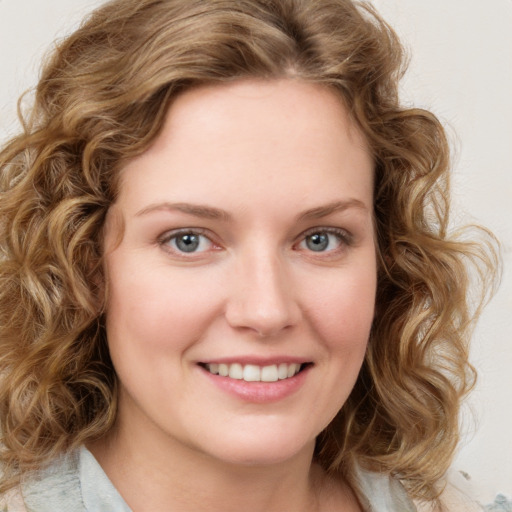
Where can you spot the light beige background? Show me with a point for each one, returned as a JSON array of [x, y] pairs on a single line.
[[461, 68]]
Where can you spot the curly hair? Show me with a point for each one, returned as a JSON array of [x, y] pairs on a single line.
[[102, 99]]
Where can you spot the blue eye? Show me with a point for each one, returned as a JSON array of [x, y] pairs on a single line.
[[317, 242], [324, 240], [188, 242]]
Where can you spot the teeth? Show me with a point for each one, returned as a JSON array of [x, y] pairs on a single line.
[[269, 373], [235, 371], [223, 370], [254, 373], [282, 372]]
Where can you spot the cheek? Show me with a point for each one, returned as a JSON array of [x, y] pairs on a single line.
[[157, 308], [342, 310]]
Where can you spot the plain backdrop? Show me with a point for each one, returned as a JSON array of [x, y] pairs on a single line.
[[461, 69]]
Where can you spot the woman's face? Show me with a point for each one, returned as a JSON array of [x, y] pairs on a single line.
[[242, 292]]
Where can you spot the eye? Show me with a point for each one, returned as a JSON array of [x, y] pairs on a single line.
[[187, 242], [324, 240]]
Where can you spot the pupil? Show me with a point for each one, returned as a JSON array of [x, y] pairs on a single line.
[[317, 242], [187, 243]]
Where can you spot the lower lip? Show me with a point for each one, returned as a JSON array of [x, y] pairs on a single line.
[[259, 392]]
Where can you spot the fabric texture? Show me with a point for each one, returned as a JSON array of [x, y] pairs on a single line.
[[77, 483], [73, 483]]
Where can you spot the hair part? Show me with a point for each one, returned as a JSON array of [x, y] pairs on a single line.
[[102, 99]]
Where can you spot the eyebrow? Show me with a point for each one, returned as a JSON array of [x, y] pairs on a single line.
[[328, 209], [198, 210], [209, 212]]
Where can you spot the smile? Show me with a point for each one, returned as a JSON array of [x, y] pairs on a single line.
[[254, 373]]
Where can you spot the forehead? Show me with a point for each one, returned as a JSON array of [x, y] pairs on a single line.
[[284, 111], [281, 138]]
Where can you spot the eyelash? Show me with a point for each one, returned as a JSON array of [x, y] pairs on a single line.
[[165, 240], [345, 239]]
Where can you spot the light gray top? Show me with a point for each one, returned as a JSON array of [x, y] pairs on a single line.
[[78, 483], [73, 483]]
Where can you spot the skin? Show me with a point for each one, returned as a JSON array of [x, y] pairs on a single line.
[[255, 169]]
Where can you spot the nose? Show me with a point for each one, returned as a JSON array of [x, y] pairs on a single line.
[[262, 298]]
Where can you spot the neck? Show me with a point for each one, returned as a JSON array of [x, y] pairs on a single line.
[[149, 478], [153, 471]]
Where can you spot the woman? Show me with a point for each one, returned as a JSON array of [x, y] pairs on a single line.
[[226, 276]]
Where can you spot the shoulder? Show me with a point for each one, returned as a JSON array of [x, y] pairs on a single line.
[[378, 492], [55, 488], [12, 501], [451, 500], [382, 493], [460, 494], [73, 482]]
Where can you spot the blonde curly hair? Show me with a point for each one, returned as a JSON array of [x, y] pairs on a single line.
[[102, 99]]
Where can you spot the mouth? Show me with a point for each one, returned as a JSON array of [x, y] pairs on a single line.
[[255, 373]]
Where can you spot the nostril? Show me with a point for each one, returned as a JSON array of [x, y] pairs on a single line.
[[262, 298], [266, 323]]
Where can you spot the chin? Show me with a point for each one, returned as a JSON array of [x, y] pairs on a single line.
[[262, 450]]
